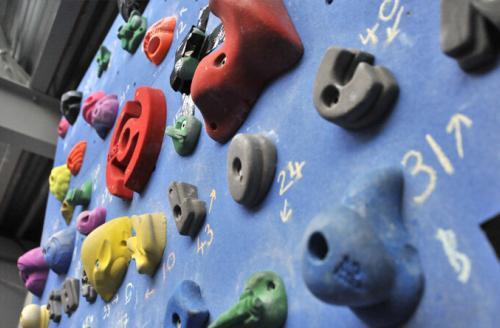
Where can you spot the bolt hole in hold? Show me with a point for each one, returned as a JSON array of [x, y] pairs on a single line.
[[330, 95], [176, 320], [491, 229], [220, 60], [271, 285], [213, 126], [237, 169], [177, 212], [318, 247], [153, 45], [329, 2]]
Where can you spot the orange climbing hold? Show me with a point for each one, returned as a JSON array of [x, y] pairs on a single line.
[[75, 157], [159, 38]]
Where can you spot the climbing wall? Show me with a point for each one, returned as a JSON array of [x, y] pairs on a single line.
[[442, 135]]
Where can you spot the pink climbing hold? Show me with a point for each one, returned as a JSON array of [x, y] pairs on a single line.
[[63, 127], [87, 221], [89, 104], [33, 270]]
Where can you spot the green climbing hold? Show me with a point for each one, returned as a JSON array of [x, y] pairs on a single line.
[[263, 304], [103, 58], [132, 32], [185, 134], [80, 196]]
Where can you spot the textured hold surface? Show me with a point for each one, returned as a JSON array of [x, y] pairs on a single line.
[[58, 250], [87, 221], [351, 259], [263, 304], [59, 181], [136, 142], [34, 316], [63, 127], [80, 196], [189, 212], [251, 164], [350, 92], [186, 307], [89, 105], [103, 115], [70, 295], [70, 105], [33, 270], [132, 32], [103, 58], [105, 256], [260, 44], [185, 134], [54, 305], [159, 38], [67, 211], [76, 156]]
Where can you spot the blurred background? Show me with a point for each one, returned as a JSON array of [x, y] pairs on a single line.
[[45, 48]]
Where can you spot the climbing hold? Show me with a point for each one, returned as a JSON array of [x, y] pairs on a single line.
[[260, 44], [70, 295], [80, 196], [136, 143], [63, 127], [105, 256], [263, 304], [189, 211], [490, 9], [186, 307], [34, 316], [58, 250], [89, 105], [59, 181], [70, 105], [103, 115], [103, 58], [54, 305], [185, 134], [87, 221], [75, 157], [158, 39], [359, 255], [33, 270], [352, 93], [88, 292], [251, 164], [132, 32], [126, 7], [67, 211], [149, 241]]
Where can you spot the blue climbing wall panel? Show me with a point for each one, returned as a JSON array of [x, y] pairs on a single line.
[[443, 134]]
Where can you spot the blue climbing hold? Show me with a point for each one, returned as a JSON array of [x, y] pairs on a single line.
[[186, 307], [58, 250]]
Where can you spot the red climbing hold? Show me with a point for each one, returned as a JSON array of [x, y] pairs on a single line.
[[158, 39], [75, 157]]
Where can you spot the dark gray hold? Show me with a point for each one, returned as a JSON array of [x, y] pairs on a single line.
[[189, 212], [251, 165], [70, 295], [54, 305], [352, 93], [125, 7], [489, 9], [70, 105], [88, 292]]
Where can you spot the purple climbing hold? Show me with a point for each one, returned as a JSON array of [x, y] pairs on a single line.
[[103, 115], [33, 270], [87, 221]]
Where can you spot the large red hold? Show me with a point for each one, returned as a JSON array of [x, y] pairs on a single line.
[[136, 142], [261, 43]]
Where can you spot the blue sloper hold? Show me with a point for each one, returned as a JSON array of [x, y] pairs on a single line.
[[186, 307], [358, 254], [58, 250]]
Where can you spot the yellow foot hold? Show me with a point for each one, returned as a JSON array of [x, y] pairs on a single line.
[[34, 316]]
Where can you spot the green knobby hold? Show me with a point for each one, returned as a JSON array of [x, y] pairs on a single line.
[[103, 58], [263, 304], [185, 134], [132, 32], [80, 196]]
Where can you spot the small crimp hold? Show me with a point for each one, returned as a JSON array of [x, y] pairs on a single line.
[[67, 211], [185, 134], [186, 308], [88, 292], [59, 181], [80, 196], [63, 127], [70, 295], [34, 316], [103, 58], [263, 304], [189, 212], [87, 221], [132, 32], [75, 157], [158, 39], [251, 165], [352, 93], [70, 105], [54, 305]]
